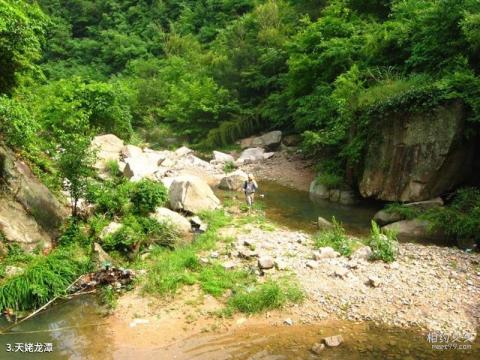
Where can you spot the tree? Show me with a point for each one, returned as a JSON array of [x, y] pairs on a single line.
[[75, 157], [21, 34]]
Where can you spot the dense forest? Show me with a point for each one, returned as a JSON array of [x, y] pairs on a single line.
[[215, 70]]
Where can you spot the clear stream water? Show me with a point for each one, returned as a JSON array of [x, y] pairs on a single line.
[[76, 328]]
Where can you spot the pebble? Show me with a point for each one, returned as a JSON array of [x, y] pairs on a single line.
[[333, 341], [288, 322], [265, 262], [317, 348], [311, 264]]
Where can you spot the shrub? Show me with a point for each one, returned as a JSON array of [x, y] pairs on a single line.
[[124, 239], [147, 195], [72, 234], [460, 219], [336, 238], [110, 198], [384, 245], [154, 232]]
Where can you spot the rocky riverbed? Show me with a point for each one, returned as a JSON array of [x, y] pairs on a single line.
[[434, 288]]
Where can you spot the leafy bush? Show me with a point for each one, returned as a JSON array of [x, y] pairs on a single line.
[[124, 239], [110, 198], [113, 168], [461, 218], [336, 238], [383, 244], [146, 195]]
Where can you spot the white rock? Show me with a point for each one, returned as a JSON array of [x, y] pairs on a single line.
[[325, 253], [311, 264], [107, 148], [269, 155], [363, 253], [192, 194], [333, 341], [183, 151], [222, 157], [265, 262], [252, 154], [130, 151], [140, 167], [164, 215]]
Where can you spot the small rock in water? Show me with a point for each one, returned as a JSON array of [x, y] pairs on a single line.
[[333, 341], [265, 262], [288, 322], [317, 348]]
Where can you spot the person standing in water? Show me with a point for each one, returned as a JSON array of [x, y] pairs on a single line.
[[250, 187]]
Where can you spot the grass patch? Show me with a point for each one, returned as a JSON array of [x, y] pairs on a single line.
[[407, 212], [268, 296], [44, 278], [383, 244], [336, 238]]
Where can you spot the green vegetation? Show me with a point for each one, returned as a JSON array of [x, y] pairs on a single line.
[[336, 238], [229, 167], [147, 195], [264, 297], [461, 218], [406, 212], [44, 278], [383, 244]]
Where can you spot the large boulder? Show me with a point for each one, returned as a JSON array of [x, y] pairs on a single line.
[[233, 181], [416, 230], [192, 194], [19, 186], [130, 151], [19, 227], [292, 140], [164, 215], [418, 156], [271, 140], [107, 147], [252, 154], [140, 167]]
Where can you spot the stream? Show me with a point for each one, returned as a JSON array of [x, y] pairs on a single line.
[[76, 329], [294, 209]]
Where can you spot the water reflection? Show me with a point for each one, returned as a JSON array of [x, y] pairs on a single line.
[[74, 328]]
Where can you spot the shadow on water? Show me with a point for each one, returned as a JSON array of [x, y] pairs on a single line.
[[294, 209]]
